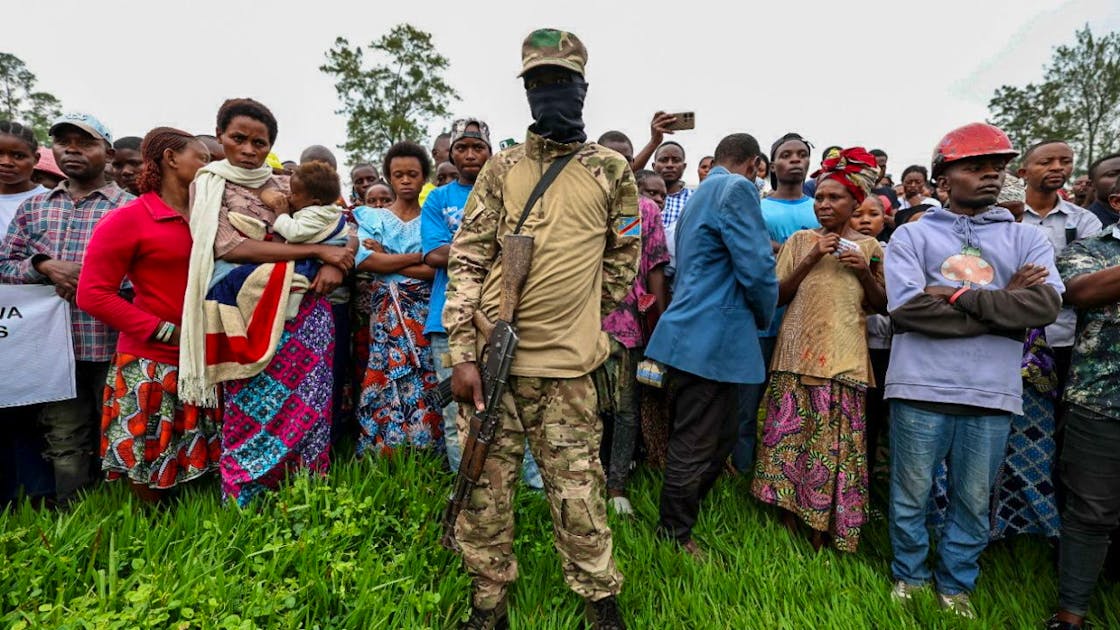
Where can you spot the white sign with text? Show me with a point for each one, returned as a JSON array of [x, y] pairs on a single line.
[[36, 349]]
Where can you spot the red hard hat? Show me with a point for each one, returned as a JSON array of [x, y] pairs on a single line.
[[972, 140]]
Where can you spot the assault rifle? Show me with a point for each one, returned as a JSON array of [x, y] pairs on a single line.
[[497, 357], [439, 396]]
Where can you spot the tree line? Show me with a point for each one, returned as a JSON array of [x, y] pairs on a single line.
[[394, 89]]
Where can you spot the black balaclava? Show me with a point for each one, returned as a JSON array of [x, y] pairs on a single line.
[[557, 110]]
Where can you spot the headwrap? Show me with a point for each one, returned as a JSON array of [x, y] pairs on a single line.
[[1013, 190], [855, 168]]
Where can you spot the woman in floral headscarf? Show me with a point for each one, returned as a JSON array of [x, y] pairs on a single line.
[[811, 458]]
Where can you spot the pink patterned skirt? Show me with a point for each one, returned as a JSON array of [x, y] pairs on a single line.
[[280, 420], [811, 455]]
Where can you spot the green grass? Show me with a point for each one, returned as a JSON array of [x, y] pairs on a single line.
[[360, 549]]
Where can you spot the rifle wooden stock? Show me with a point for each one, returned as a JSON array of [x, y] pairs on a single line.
[[471, 464], [517, 255], [502, 339], [484, 425], [483, 325]]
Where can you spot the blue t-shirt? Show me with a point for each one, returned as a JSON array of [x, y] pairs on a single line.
[[440, 218], [784, 217]]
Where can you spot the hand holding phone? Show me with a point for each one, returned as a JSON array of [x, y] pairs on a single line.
[[684, 121]]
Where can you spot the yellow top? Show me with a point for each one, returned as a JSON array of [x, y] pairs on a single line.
[[425, 191], [824, 333]]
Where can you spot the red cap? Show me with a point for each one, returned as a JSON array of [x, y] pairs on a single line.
[[47, 163], [972, 140]]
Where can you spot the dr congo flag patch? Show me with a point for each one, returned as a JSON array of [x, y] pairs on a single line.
[[628, 226]]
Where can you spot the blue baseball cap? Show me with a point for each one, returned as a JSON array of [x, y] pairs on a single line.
[[86, 122]]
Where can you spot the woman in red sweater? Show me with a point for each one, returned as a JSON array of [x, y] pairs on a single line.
[[147, 435]]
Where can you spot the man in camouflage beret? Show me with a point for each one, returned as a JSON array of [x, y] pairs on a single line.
[[585, 255]]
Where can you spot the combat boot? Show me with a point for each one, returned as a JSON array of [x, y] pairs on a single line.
[[604, 614], [491, 619]]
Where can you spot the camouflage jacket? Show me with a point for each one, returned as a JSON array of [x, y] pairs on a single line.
[[1093, 383], [587, 241]]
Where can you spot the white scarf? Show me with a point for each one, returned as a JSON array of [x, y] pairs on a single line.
[[209, 188]]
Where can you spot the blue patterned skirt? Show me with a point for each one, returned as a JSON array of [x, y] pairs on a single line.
[[391, 410]]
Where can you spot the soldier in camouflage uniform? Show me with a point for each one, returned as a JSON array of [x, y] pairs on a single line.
[[586, 232]]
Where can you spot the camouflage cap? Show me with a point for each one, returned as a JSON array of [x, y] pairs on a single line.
[[550, 47], [1014, 189], [459, 130]]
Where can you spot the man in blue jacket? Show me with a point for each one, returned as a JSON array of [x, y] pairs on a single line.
[[725, 292]]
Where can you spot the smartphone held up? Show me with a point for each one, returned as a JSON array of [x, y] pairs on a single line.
[[683, 121]]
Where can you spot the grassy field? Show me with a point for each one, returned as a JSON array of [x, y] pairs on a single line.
[[359, 550]]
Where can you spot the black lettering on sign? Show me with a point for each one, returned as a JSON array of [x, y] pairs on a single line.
[[3, 332], [10, 312]]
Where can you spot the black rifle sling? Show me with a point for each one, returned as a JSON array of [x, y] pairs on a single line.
[[546, 180]]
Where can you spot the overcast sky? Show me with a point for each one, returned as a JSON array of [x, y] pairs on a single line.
[[890, 74]]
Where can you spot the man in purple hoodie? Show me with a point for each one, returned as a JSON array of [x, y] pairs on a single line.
[[963, 286]]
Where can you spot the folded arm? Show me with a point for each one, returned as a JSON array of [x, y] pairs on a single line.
[[20, 248], [1089, 283], [914, 310], [435, 236], [1013, 309]]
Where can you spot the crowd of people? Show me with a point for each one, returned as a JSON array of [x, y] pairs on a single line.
[[796, 318]]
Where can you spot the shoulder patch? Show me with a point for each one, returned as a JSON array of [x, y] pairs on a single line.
[[602, 162], [628, 226]]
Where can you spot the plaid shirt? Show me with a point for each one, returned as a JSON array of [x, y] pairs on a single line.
[[674, 205], [53, 225]]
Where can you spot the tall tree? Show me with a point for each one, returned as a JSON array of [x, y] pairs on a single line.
[[1078, 101], [20, 101], [395, 99]]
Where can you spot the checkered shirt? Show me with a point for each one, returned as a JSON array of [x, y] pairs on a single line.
[[53, 225], [674, 205]]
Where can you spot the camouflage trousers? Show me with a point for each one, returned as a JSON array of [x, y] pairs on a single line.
[[559, 418]]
